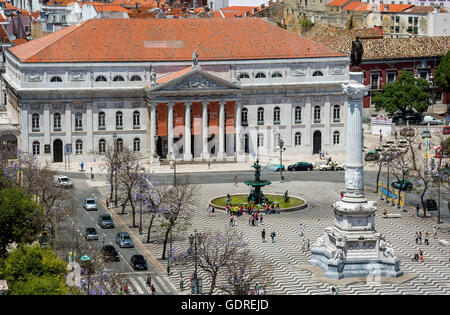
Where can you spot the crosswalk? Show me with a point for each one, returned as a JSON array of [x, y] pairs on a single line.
[[138, 285]]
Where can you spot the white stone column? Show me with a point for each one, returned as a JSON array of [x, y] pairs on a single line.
[[237, 129], [170, 131], [154, 159], [25, 128], [221, 154], [47, 124], [307, 120], [328, 119], [205, 131], [68, 121], [187, 156]]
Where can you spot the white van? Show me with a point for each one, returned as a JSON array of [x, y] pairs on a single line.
[[62, 181], [430, 120]]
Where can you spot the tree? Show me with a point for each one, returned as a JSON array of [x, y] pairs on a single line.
[[442, 74], [20, 218], [305, 23], [349, 24], [405, 93], [32, 270]]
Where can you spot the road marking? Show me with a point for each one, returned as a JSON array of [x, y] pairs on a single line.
[[144, 284], [138, 288], [165, 289]]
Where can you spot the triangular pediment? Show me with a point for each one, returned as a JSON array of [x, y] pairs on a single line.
[[194, 80]]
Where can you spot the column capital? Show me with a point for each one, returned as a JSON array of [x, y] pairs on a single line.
[[187, 103], [152, 104], [222, 103], [171, 104], [238, 104], [205, 103]]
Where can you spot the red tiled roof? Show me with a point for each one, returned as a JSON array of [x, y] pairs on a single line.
[[60, 3], [109, 8], [353, 5], [174, 75], [394, 7], [114, 40], [364, 7], [3, 35], [337, 2], [19, 41]]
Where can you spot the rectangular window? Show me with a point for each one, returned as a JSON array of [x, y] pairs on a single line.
[[375, 82], [415, 20], [78, 122], [397, 19], [397, 29], [410, 20], [410, 29], [416, 30], [391, 76]]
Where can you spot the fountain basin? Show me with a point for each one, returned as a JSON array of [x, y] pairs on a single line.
[[294, 203]]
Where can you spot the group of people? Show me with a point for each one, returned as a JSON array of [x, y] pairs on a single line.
[[322, 154], [418, 256], [211, 210], [272, 235]]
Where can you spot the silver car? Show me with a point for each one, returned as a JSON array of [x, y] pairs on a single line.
[[105, 221], [90, 234], [123, 239], [90, 204]]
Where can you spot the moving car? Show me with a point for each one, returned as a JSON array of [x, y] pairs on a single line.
[[105, 221], [62, 181], [372, 156], [110, 253], [138, 262], [274, 167], [123, 239], [90, 234], [301, 166], [333, 165], [405, 185], [90, 204], [430, 205]]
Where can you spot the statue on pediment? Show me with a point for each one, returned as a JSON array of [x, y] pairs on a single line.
[[195, 59], [356, 55]]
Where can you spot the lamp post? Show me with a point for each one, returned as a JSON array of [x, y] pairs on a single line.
[[115, 167], [140, 217], [281, 144], [171, 218], [388, 158], [193, 240], [173, 165]]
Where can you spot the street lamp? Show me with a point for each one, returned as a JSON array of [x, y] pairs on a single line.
[[281, 144], [387, 156], [193, 240], [173, 165], [140, 217], [171, 218], [115, 167]]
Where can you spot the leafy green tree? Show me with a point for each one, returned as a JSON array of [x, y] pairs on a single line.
[[20, 218], [405, 93], [32, 270], [305, 23], [442, 74]]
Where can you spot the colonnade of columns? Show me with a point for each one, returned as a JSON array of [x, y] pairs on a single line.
[[187, 156]]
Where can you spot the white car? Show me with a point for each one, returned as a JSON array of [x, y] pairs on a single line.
[[62, 181], [327, 167]]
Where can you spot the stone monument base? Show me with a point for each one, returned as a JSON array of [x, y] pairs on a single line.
[[355, 267]]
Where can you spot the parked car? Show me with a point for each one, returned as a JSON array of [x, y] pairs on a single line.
[[407, 132], [426, 134], [90, 204], [138, 262], [90, 234], [333, 165], [372, 156], [62, 181], [105, 221], [123, 239], [413, 117], [446, 130], [430, 205], [430, 120], [405, 185], [110, 253], [399, 115], [274, 167], [301, 166]]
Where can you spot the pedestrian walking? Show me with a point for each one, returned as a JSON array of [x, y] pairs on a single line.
[[417, 209], [426, 238], [153, 289], [301, 230], [82, 166], [149, 280], [234, 220], [257, 219], [213, 210], [308, 244], [272, 235], [420, 238], [235, 181], [421, 255], [231, 220], [435, 232], [263, 235], [250, 220], [303, 245], [417, 237], [209, 164], [333, 290], [209, 210], [260, 219]]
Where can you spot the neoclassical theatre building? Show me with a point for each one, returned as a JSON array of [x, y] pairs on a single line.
[[218, 89]]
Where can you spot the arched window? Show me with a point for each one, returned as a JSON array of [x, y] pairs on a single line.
[[78, 121], [317, 74], [136, 120], [260, 141], [78, 147], [100, 78], [244, 76], [336, 113], [260, 75], [298, 115], [35, 122], [56, 79], [298, 138], [260, 116], [57, 122], [336, 137], [119, 120], [118, 78], [36, 147], [119, 145], [135, 78], [276, 115], [102, 146], [136, 145], [277, 75], [101, 121], [244, 117], [317, 114]]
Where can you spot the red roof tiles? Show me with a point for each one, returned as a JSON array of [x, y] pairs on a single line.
[[110, 40], [337, 2]]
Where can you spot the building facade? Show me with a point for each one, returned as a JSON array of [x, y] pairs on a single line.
[[248, 83]]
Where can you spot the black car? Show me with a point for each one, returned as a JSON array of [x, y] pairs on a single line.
[[300, 166], [405, 185], [430, 205], [372, 156], [138, 262], [110, 253], [414, 117]]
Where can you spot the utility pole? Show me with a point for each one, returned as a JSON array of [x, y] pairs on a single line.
[[281, 144]]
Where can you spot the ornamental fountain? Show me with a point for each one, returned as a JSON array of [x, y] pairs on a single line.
[[256, 195]]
